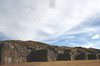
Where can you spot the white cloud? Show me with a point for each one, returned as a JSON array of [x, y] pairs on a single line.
[[96, 36]]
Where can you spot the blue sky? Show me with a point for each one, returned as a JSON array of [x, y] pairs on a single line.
[[56, 22]]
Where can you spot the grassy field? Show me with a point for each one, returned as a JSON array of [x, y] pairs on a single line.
[[61, 63]]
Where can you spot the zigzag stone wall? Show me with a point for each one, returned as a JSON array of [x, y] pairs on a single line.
[[14, 52]]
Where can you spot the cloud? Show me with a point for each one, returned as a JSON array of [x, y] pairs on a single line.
[[35, 20], [96, 36]]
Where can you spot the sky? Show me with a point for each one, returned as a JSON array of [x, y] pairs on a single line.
[[56, 22]]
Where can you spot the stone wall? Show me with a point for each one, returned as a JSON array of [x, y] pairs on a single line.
[[16, 51], [41, 56], [13, 52]]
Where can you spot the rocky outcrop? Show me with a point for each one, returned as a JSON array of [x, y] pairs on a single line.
[[16, 51]]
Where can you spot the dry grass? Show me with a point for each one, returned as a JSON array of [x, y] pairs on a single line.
[[27, 43], [61, 63]]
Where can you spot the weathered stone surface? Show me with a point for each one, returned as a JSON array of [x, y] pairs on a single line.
[[26, 51], [16, 51]]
